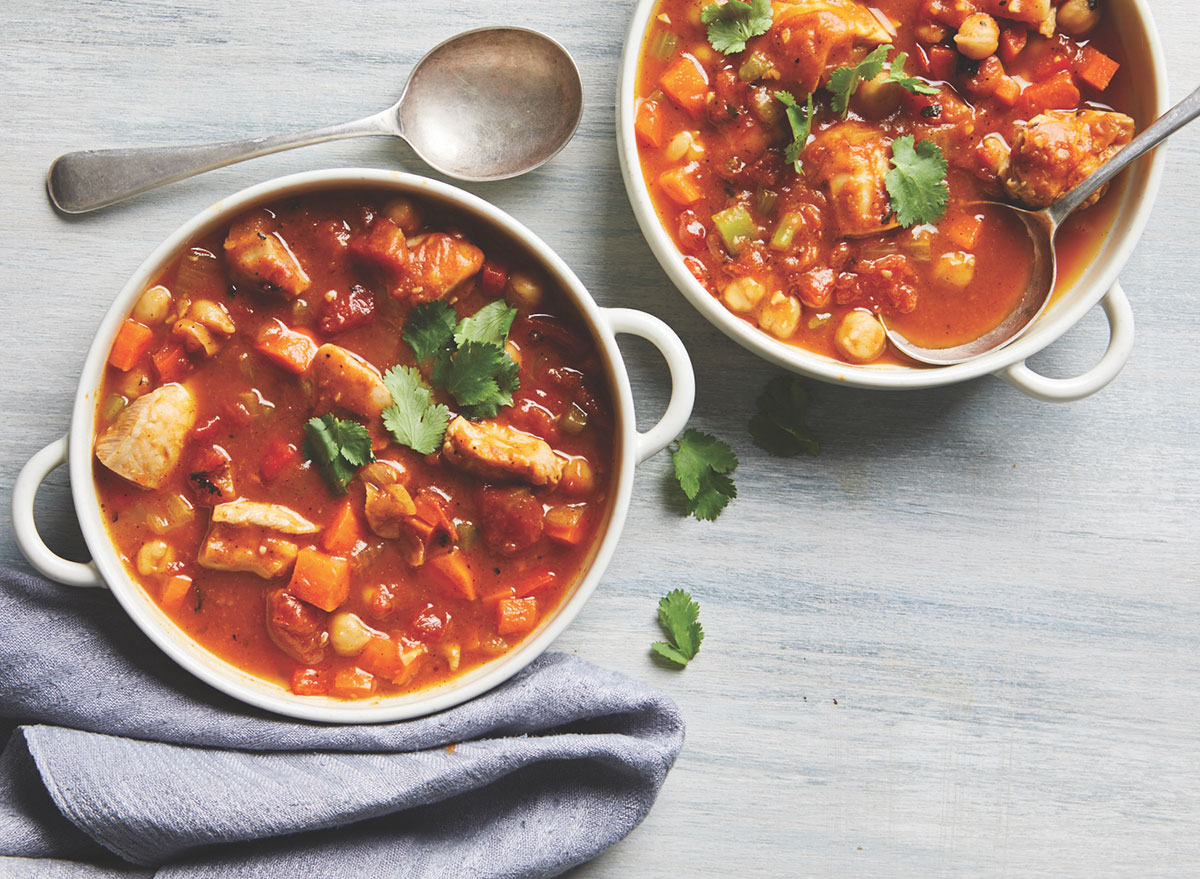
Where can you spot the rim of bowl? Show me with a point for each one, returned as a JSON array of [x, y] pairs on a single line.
[[228, 678], [1064, 312]]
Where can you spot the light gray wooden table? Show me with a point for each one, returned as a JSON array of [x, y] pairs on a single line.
[[964, 641]]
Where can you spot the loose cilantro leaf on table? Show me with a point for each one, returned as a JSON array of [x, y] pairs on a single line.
[[413, 419], [731, 24], [917, 182], [800, 120], [844, 81], [490, 325], [702, 466], [338, 447], [778, 428], [430, 329], [897, 75], [679, 615]]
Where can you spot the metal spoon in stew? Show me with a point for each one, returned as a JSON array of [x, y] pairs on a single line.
[[1042, 226], [487, 104]]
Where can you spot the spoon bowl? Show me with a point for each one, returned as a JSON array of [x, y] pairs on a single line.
[[487, 104]]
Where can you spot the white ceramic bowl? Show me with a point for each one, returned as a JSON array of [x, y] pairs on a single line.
[[1096, 285], [75, 449]]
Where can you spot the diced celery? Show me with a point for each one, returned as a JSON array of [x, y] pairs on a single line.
[[112, 407], [754, 67], [662, 45], [468, 533], [574, 420], [786, 231], [736, 226], [764, 202]]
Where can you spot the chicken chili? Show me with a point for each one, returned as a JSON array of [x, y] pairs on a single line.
[[819, 162], [353, 445]]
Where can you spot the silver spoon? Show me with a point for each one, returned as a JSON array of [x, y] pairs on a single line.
[[1042, 226], [485, 105]]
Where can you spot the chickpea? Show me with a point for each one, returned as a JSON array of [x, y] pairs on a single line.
[[978, 36], [453, 655], [514, 352], [955, 269], [153, 305], [578, 478], [929, 32], [196, 337], [212, 315], [348, 634], [523, 291], [135, 383], [780, 315], [878, 97], [679, 146], [1077, 17], [154, 557], [860, 337], [743, 294], [403, 212]]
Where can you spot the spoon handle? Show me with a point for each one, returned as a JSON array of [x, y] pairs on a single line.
[[84, 181], [1166, 125]]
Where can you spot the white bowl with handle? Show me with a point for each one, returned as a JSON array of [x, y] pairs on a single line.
[[1098, 284], [106, 569]]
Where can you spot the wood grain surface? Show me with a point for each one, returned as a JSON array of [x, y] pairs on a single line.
[[964, 641]]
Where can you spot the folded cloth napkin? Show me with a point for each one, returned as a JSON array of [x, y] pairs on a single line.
[[116, 760]]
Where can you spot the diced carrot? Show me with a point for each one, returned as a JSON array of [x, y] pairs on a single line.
[[292, 349], [1057, 93], [943, 61], [280, 454], [175, 591], [536, 583], [1013, 40], [564, 524], [962, 229], [311, 681], [170, 362], [132, 342], [515, 615], [1008, 90], [680, 184], [1095, 68], [649, 124], [500, 594], [455, 571], [391, 659], [686, 82], [342, 533], [354, 683], [321, 580]]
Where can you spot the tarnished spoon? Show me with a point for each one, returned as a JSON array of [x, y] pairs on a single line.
[[1042, 226], [485, 105]]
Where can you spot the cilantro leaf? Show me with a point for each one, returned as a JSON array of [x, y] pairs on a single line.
[[430, 328], [917, 182], [481, 377], [338, 447], [800, 120], [910, 83], [778, 428], [490, 324], [731, 24], [413, 419], [702, 466], [844, 81], [679, 615]]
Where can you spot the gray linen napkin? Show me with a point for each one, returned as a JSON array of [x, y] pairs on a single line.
[[117, 759]]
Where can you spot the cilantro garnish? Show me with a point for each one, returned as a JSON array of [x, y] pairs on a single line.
[[679, 616], [731, 24], [702, 466], [481, 377], [430, 328], [917, 182], [490, 325], [844, 81], [897, 75], [778, 428], [800, 119], [338, 447], [413, 419]]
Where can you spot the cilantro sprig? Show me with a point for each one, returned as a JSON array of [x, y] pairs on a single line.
[[800, 119], [917, 182], [338, 447], [731, 24], [480, 376], [779, 428], [429, 329], [703, 465], [844, 81], [413, 419], [897, 75], [679, 615]]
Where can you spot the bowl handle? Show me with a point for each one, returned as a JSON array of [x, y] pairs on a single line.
[[39, 555], [1068, 390], [683, 379]]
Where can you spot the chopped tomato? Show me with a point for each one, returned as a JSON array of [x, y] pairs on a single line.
[[170, 362], [347, 309], [649, 124], [311, 681], [280, 455], [492, 279]]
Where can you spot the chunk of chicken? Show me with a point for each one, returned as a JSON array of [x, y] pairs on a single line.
[[436, 265], [499, 452], [1056, 150], [1028, 11], [852, 159], [145, 442], [387, 507], [297, 628], [258, 256], [811, 38], [276, 517], [246, 548], [342, 378]]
